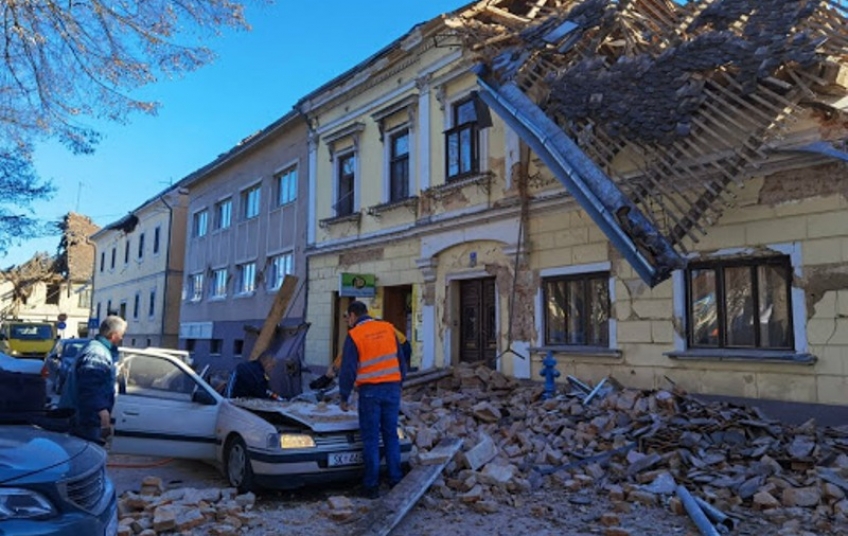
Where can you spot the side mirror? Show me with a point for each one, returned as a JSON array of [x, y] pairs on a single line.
[[202, 396]]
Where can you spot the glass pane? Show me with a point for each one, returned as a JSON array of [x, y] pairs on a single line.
[[739, 303], [465, 151], [704, 313], [555, 312], [400, 145], [576, 323], [465, 113], [598, 322], [453, 154], [775, 328]]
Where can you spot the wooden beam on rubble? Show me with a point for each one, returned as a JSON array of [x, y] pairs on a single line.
[[275, 316], [392, 508]]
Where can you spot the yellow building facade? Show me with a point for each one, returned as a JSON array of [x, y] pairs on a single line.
[[436, 214]]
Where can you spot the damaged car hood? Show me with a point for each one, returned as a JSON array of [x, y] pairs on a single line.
[[319, 417]]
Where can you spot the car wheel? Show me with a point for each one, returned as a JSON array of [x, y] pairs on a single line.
[[237, 465]]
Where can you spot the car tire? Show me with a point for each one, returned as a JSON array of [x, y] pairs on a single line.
[[237, 465]]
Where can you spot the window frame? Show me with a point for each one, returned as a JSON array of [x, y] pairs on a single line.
[[399, 183], [251, 209], [219, 214], [200, 223], [218, 284], [719, 265], [136, 305], [102, 261], [456, 130], [340, 177], [246, 278], [275, 277], [140, 246], [586, 277], [286, 185], [195, 290], [156, 237], [151, 303], [127, 247], [113, 258]]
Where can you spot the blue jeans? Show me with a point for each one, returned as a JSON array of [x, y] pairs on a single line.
[[379, 406]]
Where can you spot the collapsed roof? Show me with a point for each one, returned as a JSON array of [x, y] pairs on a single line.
[[689, 98]]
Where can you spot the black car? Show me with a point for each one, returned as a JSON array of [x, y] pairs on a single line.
[[60, 360], [53, 484]]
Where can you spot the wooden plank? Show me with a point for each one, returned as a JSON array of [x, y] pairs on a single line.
[[389, 511], [275, 315]]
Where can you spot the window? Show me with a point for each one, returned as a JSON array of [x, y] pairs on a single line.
[[399, 166], [156, 241], [461, 141], [84, 298], [102, 261], [577, 310], [122, 311], [200, 222], [346, 179], [287, 186], [53, 293], [246, 278], [250, 202], [238, 346], [215, 346], [127, 252], [190, 344], [280, 266], [141, 246], [195, 287], [223, 214], [98, 310], [112, 264], [136, 305], [109, 310], [219, 283], [740, 304], [151, 303]]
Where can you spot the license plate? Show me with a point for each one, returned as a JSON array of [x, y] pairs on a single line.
[[344, 458], [112, 527]]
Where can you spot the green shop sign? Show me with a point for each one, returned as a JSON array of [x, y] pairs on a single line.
[[357, 285]]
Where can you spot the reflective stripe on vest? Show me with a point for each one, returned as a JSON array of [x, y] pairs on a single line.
[[377, 345]]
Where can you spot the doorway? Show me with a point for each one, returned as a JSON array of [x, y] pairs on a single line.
[[397, 307], [478, 336]]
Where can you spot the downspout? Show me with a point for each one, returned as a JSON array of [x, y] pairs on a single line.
[[167, 268]]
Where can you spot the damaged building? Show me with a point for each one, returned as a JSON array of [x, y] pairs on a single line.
[[643, 189]]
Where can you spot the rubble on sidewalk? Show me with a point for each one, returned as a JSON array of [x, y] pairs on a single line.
[[154, 510], [630, 445]]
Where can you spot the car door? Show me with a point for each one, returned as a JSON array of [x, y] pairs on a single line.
[[163, 409]]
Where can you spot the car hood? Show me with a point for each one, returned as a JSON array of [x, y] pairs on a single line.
[[319, 417], [26, 450]]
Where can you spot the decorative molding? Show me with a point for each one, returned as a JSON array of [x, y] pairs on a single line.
[[410, 202], [326, 223], [353, 130], [483, 181], [428, 267], [408, 103]]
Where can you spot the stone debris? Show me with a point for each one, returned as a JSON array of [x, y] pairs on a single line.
[[630, 446], [155, 511]]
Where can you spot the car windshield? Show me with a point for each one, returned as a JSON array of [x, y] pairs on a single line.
[[71, 349], [31, 332]]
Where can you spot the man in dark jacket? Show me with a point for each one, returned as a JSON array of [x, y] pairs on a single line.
[[250, 379], [90, 390]]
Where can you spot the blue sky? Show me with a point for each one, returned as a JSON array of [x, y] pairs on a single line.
[[294, 48]]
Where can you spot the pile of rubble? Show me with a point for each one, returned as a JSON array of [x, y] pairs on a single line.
[[154, 510], [628, 445]]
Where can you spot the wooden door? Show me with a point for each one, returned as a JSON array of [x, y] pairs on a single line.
[[477, 324]]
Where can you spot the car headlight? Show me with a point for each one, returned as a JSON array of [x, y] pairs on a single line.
[[13, 352], [17, 503], [296, 441], [401, 433]]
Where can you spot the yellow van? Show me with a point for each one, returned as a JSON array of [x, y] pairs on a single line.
[[27, 339]]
